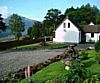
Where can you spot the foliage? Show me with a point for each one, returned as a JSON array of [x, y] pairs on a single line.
[[84, 15], [48, 45], [52, 19], [2, 24], [97, 57], [36, 30], [92, 79], [84, 55], [11, 77], [54, 81], [97, 45], [98, 18], [16, 25], [76, 74]]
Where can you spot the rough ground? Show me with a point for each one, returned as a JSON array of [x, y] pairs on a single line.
[[14, 60]]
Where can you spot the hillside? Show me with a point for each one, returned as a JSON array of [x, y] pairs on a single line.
[[28, 23]]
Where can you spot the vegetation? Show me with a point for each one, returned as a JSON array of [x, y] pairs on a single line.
[[84, 54], [2, 24], [52, 19], [84, 15], [49, 45], [16, 25], [55, 72], [77, 73], [36, 30], [97, 46], [97, 57]]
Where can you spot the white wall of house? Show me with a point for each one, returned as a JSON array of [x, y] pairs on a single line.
[[95, 38], [67, 34]]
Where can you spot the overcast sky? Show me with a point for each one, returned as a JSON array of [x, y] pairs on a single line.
[[37, 9]]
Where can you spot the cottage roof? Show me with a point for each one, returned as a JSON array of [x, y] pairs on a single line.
[[77, 25], [91, 28]]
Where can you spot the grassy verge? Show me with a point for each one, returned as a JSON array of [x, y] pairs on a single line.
[[49, 45]]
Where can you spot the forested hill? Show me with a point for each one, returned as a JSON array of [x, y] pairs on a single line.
[[84, 15]]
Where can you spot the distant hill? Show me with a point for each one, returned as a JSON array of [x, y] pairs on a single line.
[[28, 23]]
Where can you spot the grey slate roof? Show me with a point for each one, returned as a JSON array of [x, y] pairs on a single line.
[[91, 28]]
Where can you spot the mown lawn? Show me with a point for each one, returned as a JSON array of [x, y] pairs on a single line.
[[90, 63], [49, 45], [56, 70]]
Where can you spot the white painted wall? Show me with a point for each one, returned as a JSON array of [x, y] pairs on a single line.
[[95, 38], [67, 34]]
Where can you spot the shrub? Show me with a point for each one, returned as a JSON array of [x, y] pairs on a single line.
[[97, 45], [97, 57], [84, 55], [76, 74], [11, 78], [53, 81], [92, 79]]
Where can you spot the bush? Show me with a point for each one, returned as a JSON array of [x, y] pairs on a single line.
[[84, 55], [92, 79], [97, 45], [76, 74], [97, 57]]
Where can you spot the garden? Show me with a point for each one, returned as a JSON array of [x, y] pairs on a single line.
[[72, 66], [88, 70]]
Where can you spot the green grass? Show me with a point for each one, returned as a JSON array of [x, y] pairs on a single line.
[[50, 45], [90, 63], [56, 70]]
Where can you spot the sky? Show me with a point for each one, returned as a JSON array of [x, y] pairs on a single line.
[[37, 9]]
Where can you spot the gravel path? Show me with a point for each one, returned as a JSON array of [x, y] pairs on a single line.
[[18, 59]]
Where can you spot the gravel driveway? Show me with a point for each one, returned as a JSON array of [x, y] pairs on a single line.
[[14, 60]]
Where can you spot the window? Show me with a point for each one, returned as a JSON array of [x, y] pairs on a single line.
[[92, 34], [64, 25], [68, 25]]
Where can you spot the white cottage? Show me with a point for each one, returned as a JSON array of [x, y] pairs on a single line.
[[92, 32], [69, 31]]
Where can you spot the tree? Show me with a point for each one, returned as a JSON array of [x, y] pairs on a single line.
[[83, 15], [36, 30], [2, 24], [52, 19], [16, 25], [97, 18]]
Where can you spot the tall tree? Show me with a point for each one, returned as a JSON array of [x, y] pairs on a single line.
[[83, 15], [16, 25], [36, 30], [97, 18], [2, 24], [51, 20]]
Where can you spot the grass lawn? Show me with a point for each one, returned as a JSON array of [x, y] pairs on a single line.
[[50, 45], [91, 63], [56, 70]]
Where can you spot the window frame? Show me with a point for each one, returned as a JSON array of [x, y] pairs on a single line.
[[92, 35], [64, 25], [68, 25]]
